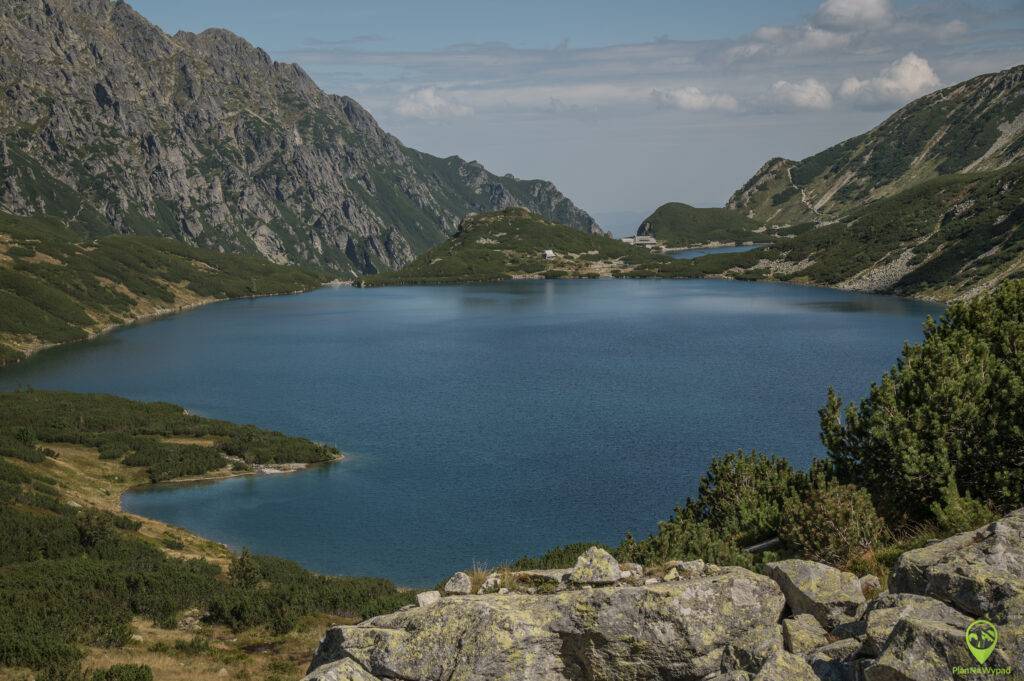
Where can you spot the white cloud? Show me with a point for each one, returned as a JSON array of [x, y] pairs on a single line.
[[853, 14], [694, 99], [905, 79], [428, 103], [805, 94]]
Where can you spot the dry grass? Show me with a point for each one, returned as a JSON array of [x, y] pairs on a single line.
[[220, 654], [256, 655], [91, 482]]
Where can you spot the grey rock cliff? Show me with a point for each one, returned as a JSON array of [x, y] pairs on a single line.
[[115, 126]]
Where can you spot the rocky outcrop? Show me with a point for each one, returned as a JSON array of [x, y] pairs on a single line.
[[115, 126], [832, 596], [802, 622]]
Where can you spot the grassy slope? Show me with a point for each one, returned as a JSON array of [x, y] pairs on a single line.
[[46, 503], [511, 243], [56, 288], [680, 225], [958, 235]]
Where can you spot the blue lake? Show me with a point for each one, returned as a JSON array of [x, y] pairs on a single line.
[[694, 253], [486, 422]]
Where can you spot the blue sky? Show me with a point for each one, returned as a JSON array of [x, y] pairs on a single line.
[[624, 105]]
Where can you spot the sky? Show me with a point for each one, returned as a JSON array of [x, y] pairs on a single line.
[[624, 105]]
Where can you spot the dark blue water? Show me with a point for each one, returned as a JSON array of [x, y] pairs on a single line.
[[485, 422], [694, 253]]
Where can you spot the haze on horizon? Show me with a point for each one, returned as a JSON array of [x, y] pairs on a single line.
[[624, 105]]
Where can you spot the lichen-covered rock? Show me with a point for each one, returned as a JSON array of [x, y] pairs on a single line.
[[980, 573], [786, 667], [542, 581], [974, 571], [831, 595], [885, 613], [687, 569], [491, 583], [803, 633], [428, 598], [596, 567], [459, 584], [636, 570], [344, 670], [925, 651], [667, 630], [871, 585]]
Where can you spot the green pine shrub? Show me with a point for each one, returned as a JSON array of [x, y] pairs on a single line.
[[832, 523], [950, 409]]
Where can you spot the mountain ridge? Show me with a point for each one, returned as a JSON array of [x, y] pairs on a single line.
[[114, 126], [975, 125]]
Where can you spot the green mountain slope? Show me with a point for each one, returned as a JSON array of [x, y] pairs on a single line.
[[512, 244], [951, 237], [116, 127], [680, 225], [56, 286], [974, 126]]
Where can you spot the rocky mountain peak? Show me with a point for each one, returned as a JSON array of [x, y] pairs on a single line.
[[111, 125]]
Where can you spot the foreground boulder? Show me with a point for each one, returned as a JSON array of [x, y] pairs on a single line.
[[596, 567], [975, 572], [802, 622], [834, 597], [980, 573], [676, 630]]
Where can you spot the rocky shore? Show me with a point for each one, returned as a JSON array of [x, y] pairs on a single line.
[[687, 621]]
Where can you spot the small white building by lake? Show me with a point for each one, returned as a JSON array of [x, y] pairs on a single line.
[[550, 255]]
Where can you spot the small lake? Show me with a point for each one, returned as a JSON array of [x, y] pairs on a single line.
[[694, 253], [485, 422]]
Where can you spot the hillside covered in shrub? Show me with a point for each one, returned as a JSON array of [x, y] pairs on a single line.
[[76, 576], [57, 286]]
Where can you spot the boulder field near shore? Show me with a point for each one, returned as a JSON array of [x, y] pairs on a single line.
[[688, 621]]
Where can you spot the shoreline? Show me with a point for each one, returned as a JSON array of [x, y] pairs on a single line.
[[161, 313], [259, 470]]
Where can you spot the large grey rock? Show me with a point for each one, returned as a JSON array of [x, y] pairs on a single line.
[[974, 571], [596, 567], [786, 667], [672, 630], [427, 598], [925, 651], [980, 573], [344, 670], [803, 633], [832, 596], [459, 584], [887, 611]]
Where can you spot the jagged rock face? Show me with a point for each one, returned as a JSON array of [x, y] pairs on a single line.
[[115, 126]]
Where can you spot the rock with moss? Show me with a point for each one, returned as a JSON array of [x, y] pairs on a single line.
[[918, 650], [666, 630], [596, 567], [803, 633], [973, 571], [834, 597], [886, 612], [459, 584], [785, 666], [343, 670]]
